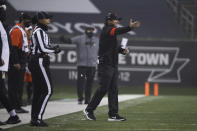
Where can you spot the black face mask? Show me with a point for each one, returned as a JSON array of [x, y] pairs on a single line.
[[89, 34], [27, 24], [2, 14], [43, 26]]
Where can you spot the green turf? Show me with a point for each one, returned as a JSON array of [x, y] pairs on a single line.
[[163, 113], [71, 92], [64, 92], [163, 90]]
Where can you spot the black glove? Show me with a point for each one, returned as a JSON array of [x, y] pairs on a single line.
[[57, 50], [56, 46]]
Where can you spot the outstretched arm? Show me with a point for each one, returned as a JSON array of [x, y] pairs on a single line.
[[122, 30]]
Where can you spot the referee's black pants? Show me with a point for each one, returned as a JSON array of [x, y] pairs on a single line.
[[15, 86], [3, 98], [108, 77], [85, 81], [41, 78]]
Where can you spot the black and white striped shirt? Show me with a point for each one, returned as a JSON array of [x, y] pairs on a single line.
[[40, 42]]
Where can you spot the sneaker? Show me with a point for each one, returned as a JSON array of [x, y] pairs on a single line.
[[13, 120], [21, 110], [116, 118], [89, 116], [2, 123], [39, 123]]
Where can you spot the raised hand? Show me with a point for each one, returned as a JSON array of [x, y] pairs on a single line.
[[134, 24]]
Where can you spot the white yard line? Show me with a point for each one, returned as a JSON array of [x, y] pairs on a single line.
[[58, 108]]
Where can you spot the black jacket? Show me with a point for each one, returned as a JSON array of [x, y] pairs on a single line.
[[17, 56], [108, 45]]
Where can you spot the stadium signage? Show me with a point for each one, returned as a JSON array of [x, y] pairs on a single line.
[[79, 27], [163, 63]]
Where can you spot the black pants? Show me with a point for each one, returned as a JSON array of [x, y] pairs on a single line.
[[41, 79], [108, 77], [15, 86], [3, 98], [85, 79], [29, 90]]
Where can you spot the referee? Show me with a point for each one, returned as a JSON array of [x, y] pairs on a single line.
[[108, 67], [39, 67]]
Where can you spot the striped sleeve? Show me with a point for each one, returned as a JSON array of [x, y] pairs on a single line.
[[1, 46], [43, 46]]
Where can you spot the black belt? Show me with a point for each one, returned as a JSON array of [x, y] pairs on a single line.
[[42, 55]]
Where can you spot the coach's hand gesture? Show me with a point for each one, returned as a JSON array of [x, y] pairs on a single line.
[[134, 24], [126, 51]]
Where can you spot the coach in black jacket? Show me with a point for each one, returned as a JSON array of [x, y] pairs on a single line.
[[108, 67]]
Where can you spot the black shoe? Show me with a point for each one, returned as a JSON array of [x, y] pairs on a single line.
[[89, 115], [2, 123], [116, 118], [1, 129], [13, 120], [29, 101], [21, 110], [39, 123], [86, 102]]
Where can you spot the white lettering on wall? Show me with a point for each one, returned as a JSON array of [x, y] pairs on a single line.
[[59, 56], [66, 26], [133, 58], [72, 75], [121, 59], [53, 28], [72, 56], [149, 59], [124, 76], [52, 57], [78, 27]]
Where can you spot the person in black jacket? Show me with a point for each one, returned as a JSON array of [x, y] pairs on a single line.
[[18, 61], [108, 67]]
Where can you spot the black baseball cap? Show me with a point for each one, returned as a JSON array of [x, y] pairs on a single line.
[[43, 15], [2, 2], [112, 16], [34, 20], [24, 16]]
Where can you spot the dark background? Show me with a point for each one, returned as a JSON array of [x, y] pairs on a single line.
[[160, 27]]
